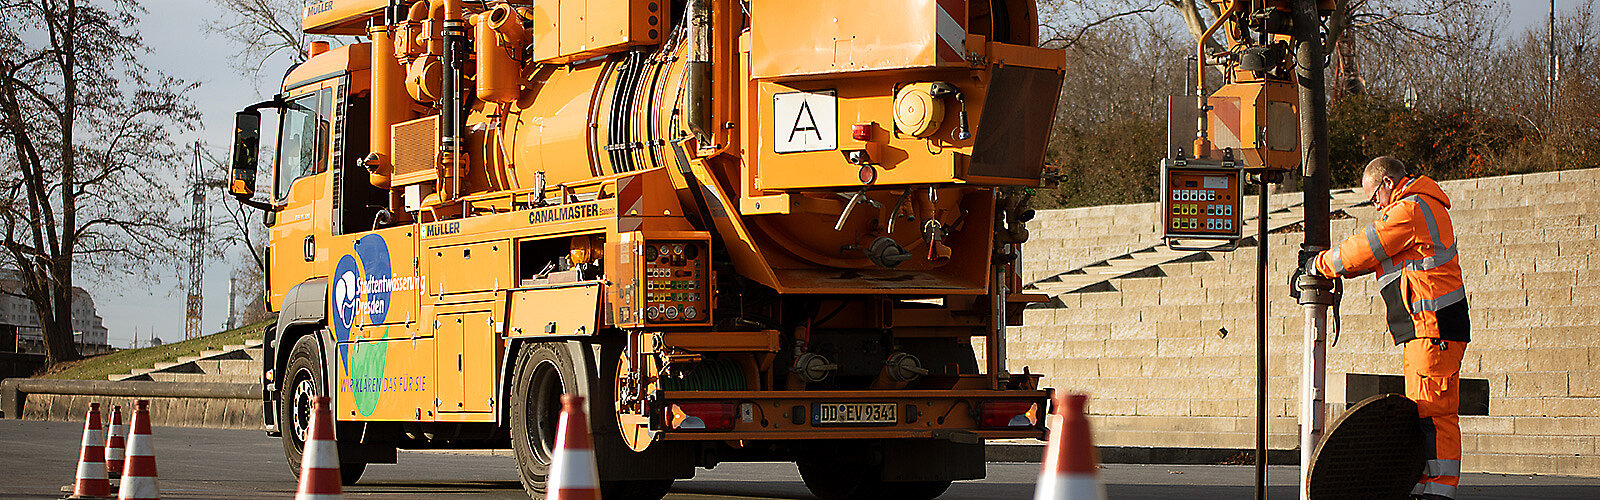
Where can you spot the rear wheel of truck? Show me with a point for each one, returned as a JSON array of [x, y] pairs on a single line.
[[544, 371], [843, 480], [301, 385]]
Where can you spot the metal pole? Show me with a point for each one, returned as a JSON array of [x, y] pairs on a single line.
[[997, 334], [1315, 293], [1552, 37], [1261, 341]]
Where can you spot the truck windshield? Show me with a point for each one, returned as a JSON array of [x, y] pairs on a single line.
[[302, 136]]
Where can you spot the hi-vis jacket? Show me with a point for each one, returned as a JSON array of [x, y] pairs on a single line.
[[1412, 246]]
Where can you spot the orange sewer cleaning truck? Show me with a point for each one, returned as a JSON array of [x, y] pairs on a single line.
[[743, 230]]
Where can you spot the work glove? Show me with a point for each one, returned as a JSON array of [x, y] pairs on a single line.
[[1307, 264]]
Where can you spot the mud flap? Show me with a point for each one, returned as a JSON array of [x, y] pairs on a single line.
[[663, 460], [906, 460]]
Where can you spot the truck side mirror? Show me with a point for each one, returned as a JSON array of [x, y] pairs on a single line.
[[246, 152]]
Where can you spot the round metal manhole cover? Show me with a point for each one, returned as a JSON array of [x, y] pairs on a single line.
[[1373, 452]]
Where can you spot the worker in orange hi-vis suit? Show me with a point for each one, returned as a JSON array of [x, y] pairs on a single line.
[[1412, 248]]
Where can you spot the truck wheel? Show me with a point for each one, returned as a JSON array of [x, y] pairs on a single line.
[[302, 383], [543, 372], [835, 480]]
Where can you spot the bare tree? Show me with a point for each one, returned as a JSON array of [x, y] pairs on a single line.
[[88, 130], [261, 30], [267, 32]]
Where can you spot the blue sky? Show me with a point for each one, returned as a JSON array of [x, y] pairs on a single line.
[[178, 45]]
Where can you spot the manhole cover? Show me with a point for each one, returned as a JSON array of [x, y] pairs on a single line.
[[1373, 452]]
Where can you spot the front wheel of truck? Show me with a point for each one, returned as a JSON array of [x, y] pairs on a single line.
[[300, 389]]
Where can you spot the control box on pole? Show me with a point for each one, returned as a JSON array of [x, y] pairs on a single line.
[[1202, 200]]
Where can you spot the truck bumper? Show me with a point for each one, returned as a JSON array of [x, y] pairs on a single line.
[[958, 415]]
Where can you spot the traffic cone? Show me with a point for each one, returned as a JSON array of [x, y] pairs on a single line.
[[139, 471], [573, 475], [319, 460], [115, 441], [91, 481], [1069, 460]]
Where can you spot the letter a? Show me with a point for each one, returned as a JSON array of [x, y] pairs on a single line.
[[805, 112]]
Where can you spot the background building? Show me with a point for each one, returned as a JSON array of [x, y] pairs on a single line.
[[87, 327]]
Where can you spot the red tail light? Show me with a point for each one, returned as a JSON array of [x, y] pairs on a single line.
[[861, 131], [1004, 414], [698, 416]]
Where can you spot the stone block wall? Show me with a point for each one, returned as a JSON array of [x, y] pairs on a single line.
[[1170, 361]]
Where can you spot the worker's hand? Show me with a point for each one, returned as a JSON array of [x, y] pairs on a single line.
[[1307, 264]]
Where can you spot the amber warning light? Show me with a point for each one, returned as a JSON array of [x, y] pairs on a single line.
[[1000, 414], [699, 416]]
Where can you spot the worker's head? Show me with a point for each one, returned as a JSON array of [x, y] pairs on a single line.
[[1381, 177]]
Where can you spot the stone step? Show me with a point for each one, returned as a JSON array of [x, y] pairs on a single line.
[[204, 377], [237, 367], [177, 367]]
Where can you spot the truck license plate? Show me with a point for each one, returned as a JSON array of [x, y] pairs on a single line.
[[855, 413]]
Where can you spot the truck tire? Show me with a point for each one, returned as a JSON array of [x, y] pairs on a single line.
[[543, 372], [303, 381], [842, 480]]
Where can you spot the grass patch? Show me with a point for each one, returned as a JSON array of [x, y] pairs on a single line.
[[124, 361]]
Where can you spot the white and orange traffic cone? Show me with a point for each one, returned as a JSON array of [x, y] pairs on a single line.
[[1069, 471], [91, 481], [319, 460], [139, 471], [573, 475], [115, 441]]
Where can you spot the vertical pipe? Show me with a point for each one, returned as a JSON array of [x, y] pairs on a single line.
[[1261, 342], [451, 125], [1202, 141], [698, 71], [390, 104], [1313, 293], [997, 334]]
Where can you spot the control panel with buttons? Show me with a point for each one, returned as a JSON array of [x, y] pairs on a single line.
[[1202, 200], [675, 279]]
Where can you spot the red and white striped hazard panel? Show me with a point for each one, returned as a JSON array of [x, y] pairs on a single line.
[[952, 29]]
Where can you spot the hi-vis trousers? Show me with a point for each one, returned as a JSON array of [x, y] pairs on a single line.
[[1433, 370]]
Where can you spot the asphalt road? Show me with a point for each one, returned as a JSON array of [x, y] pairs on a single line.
[[38, 458]]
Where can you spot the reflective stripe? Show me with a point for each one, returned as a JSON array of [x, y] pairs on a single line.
[[1391, 272], [1441, 489], [1374, 244], [1443, 468], [950, 31], [320, 453], [572, 469], [1427, 216], [1084, 486], [92, 437], [1441, 253], [1338, 262], [138, 487], [1439, 258], [92, 470], [1440, 303]]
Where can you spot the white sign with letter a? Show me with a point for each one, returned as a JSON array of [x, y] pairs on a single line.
[[805, 121]]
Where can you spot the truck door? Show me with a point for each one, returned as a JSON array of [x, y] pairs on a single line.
[[300, 183]]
